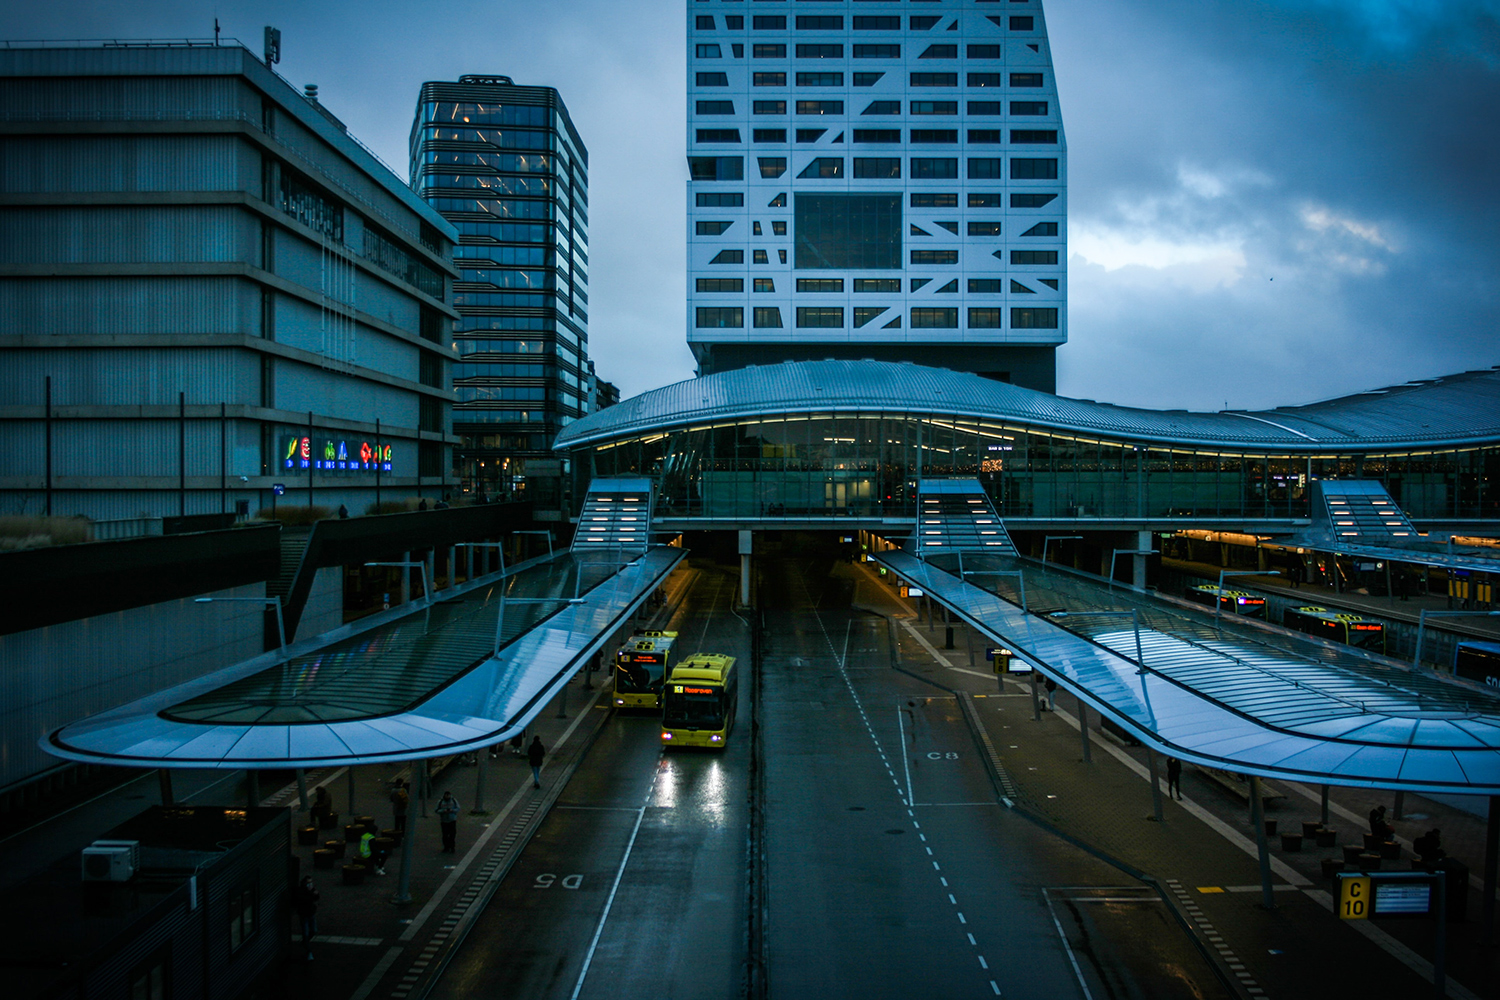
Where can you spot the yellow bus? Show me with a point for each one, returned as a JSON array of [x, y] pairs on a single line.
[[640, 667], [1338, 626], [699, 701], [1234, 602]]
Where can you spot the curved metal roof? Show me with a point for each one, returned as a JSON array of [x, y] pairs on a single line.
[[1462, 409]]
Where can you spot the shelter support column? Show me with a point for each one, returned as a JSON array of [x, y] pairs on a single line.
[[1138, 562], [1083, 730], [164, 781], [1491, 862], [1258, 819], [747, 544], [1156, 811]]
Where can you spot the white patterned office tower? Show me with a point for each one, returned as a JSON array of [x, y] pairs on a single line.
[[875, 179]]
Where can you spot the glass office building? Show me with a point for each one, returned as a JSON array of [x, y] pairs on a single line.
[[505, 165], [876, 180]]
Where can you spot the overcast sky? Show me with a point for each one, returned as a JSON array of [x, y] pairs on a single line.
[[1272, 201]]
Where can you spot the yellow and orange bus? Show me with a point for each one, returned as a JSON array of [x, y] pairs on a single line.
[[641, 666], [699, 701]]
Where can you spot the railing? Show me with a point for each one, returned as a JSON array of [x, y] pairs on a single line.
[[130, 527]]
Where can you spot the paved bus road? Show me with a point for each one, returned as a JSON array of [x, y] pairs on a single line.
[[634, 886], [894, 869]]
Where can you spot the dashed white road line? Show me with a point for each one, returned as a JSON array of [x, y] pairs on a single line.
[[839, 658]]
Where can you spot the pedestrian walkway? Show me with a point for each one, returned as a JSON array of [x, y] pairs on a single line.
[[1202, 855]]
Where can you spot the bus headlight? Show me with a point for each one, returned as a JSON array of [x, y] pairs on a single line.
[[666, 736], [715, 738]]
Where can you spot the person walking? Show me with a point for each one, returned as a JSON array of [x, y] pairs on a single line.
[[447, 814], [307, 911], [400, 799], [1174, 778], [1051, 686], [535, 754]]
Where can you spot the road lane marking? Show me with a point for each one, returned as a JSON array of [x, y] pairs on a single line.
[[588, 959]]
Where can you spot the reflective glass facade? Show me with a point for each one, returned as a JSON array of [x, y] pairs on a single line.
[[504, 164], [867, 466]]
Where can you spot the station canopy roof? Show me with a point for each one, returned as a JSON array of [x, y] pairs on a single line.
[[468, 671], [1454, 410]]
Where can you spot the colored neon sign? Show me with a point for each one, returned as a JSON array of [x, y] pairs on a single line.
[[333, 455]]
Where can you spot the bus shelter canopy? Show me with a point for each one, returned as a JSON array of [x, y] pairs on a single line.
[[465, 672], [1271, 714]]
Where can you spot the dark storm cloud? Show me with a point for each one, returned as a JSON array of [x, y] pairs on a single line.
[[1270, 200], [1288, 200]]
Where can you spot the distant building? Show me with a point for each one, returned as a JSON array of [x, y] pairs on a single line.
[[606, 394], [208, 288], [504, 164], [876, 183]]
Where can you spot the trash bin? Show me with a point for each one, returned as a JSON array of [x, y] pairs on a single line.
[[307, 836], [1372, 841], [1457, 887], [328, 821], [337, 847], [1331, 868], [1390, 850], [1352, 853], [1270, 828], [1310, 828], [353, 832], [324, 858], [1368, 861], [1328, 838], [1291, 842], [354, 874]]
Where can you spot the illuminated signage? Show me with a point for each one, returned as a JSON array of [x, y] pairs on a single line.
[[334, 455], [688, 690]]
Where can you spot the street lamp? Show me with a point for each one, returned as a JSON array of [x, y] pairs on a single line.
[[1223, 574], [497, 546], [1125, 552], [273, 601], [408, 564], [1416, 659], [1056, 538]]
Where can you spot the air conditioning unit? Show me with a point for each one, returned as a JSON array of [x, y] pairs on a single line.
[[112, 863]]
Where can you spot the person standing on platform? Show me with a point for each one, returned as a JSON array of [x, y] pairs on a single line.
[[535, 754], [307, 912], [1174, 778], [400, 799], [1051, 686], [322, 808], [447, 814]]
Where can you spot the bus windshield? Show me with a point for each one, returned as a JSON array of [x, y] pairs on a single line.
[[641, 674], [695, 707]]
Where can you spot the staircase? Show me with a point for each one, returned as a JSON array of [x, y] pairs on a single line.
[[616, 516], [955, 515], [293, 545]]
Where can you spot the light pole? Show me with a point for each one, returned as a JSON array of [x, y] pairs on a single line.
[[409, 564], [1223, 574], [547, 533], [497, 546], [1116, 553], [1416, 659], [273, 601], [1056, 538]]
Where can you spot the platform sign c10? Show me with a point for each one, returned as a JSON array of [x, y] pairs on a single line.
[[1392, 894]]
